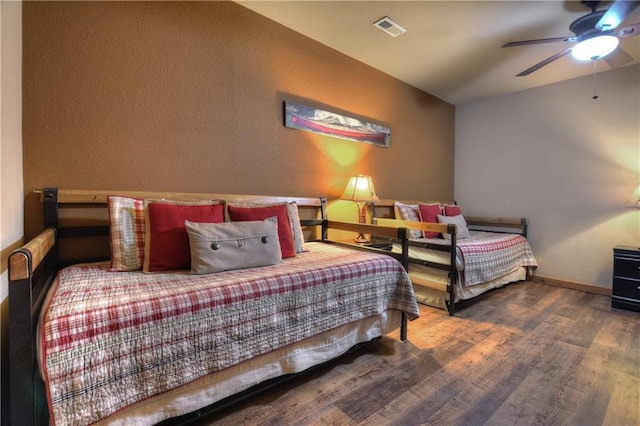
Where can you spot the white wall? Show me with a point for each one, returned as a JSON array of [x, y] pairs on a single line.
[[11, 187], [563, 160]]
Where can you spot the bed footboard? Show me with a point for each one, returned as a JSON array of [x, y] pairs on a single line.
[[32, 269], [390, 232], [421, 279]]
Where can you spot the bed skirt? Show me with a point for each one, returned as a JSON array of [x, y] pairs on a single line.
[[291, 359], [436, 298]]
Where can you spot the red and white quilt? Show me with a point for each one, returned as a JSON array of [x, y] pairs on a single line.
[[112, 339], [489, 255], [485, 256]]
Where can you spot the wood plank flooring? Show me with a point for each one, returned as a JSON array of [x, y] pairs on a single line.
[[526, 354]]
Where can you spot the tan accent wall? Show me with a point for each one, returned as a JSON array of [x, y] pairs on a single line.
[[188, 96]]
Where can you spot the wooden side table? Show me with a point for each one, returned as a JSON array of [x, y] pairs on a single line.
[[626, 278]]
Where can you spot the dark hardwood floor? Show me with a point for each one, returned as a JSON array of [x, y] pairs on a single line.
[[526, 354]]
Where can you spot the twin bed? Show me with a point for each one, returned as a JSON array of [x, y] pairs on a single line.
[[140, 347], [109, 342], [450, 266]]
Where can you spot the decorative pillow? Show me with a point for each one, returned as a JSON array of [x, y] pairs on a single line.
[[296, 228], [462, 231], [452, 210], [239, 213], [409, 212], [429, 213], [166, 239], [294, 222], [217, 247], [126, 234]]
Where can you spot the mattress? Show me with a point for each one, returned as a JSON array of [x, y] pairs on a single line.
[[113, 341], [483, 257]]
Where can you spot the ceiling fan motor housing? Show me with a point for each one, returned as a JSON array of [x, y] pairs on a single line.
[[585, 26]]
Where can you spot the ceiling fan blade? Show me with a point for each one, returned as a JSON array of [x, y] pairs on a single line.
[[616, 14], [629, 31], [543, 63], [618, 58], [538, 41]]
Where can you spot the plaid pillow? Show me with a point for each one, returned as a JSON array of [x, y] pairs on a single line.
[[296, 228], [409, 212], [126, 237]]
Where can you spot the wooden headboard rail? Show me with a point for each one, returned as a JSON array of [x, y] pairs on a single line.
[[84, 196], [494, 224], [54, 198]]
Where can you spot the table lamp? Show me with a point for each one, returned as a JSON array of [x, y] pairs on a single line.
[[360, 190]]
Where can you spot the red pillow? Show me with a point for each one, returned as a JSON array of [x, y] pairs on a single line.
[[429, 213], [452, 210], [167, 241], [287, 247]]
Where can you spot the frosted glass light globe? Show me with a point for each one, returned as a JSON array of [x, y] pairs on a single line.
[[595, 48]]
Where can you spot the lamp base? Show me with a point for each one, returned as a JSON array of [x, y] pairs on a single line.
[[362, 239]]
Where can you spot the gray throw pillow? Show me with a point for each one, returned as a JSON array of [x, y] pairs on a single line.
[[217, 247]]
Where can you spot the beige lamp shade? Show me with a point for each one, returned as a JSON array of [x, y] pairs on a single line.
[[634, 201], [360, 188]]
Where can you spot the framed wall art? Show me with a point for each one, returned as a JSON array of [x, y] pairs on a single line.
[[315, 120]]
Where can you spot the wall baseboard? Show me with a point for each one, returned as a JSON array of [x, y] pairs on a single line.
[[572, 285]]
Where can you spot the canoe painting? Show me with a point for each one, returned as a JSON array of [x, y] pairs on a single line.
[[315, 120]]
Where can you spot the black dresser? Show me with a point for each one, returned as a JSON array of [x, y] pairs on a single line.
[[626, 278]]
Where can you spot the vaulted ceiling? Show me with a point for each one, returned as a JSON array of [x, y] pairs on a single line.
[[452, 49]]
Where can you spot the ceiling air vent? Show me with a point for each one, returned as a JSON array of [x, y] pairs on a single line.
[[390, 27]]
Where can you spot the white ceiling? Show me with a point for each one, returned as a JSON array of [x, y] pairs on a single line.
[[451, 48]]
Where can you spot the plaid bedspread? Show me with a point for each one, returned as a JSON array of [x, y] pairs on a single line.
[[485, 256], [111, 339], [489, 255]]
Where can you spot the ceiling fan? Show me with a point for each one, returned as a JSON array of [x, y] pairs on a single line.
[[595, 36]]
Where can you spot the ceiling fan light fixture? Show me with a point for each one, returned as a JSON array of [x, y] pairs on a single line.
[[595, 48]]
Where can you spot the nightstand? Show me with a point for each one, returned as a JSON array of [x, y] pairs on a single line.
[[626, 278]]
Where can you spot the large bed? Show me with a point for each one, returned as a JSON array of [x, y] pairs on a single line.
[[445, 268], [123, 347]]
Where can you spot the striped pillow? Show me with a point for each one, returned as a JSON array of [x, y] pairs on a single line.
[[126, 237], [296, 228], [409, 212]]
